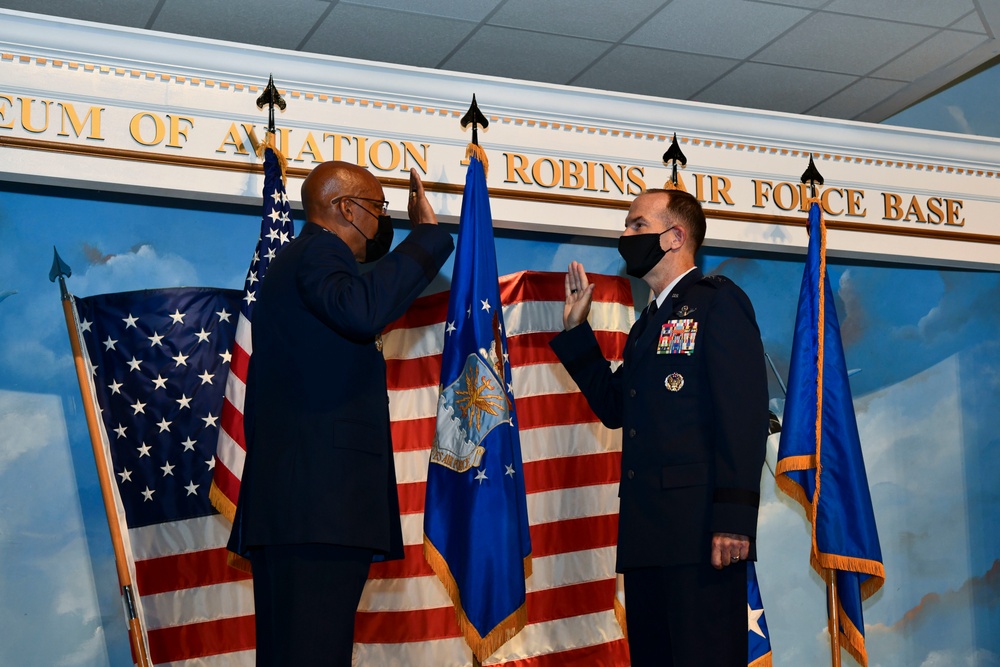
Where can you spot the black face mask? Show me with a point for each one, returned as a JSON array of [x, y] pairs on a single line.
[[377, 246], [641, 252]]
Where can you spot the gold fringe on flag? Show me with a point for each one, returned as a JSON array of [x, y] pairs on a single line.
[[270, 142], [221, 502], [476, 151], [482, 647]]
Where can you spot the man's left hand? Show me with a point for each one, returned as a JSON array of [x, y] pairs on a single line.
[[729, 549]]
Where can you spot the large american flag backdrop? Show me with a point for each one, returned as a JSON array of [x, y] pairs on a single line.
[[160, 361]]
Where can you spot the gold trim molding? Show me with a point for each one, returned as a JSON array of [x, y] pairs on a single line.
[[498, 193]]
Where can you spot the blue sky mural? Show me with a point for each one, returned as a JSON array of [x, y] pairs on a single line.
[[926, 341]]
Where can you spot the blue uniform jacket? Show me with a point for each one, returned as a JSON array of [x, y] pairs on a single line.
[[694, 420], [319, 465]]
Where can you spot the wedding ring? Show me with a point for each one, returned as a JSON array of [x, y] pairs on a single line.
[[573, 291], [734, 559]]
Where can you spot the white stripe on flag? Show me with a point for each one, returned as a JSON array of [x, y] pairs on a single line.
[[179, 537], [236, 659], [551, 442], [195, 605], [560, 635], [229, 451]]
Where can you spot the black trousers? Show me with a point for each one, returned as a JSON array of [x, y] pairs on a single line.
[[687, 616], [305, 596]]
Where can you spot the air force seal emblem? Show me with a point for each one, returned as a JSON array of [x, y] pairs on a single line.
[[468, 409]]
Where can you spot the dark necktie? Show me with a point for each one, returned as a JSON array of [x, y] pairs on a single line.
[[647, 315]]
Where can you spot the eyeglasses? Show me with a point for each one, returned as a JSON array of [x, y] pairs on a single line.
[[382, 203]]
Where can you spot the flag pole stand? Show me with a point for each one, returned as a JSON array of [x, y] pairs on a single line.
[[833, 616], [135, 631]]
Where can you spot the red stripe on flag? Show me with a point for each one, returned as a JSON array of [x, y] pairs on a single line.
[[411, 497], [425, 311], [194, 640], [552, 410], [239, 362], [546, 286], [232, 423], [566, 601], [567, 472], [547, 539], [394, 627], [410, 435], [610, 653], [226, 481], [413, 373], [559, 537], [525, 350], [190, 570], [572, 472], [413, 564]]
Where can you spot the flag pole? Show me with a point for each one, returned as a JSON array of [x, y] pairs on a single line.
[[60, 270], [833, 617]]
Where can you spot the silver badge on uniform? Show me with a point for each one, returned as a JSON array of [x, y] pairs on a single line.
[[674, 382]]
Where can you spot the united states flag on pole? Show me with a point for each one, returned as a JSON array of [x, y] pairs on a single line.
[[199, 611], [275, 231], [158, 359], [571, 469]]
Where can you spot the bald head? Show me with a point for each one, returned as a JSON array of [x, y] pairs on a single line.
[[335, 179]]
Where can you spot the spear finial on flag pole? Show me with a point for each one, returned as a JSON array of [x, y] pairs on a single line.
[[60, 270], [811, 177], [476, 118], [270, 98], [672, 157]]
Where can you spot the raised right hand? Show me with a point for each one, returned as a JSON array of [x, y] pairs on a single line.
[[417, 206], [579, 295]]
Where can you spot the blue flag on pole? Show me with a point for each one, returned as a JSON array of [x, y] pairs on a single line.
[[819, 456], [475, 519], [758, 638]]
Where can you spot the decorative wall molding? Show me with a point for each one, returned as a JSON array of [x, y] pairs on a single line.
[[93, 106]]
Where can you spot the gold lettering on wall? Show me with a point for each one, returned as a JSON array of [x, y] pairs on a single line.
[[93, 118]]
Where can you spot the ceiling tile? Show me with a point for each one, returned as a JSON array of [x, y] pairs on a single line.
[[247, 21], [637, 69], [836, 43], [856, 98], [467, 10], [521, 54], [775, 88], [805, 4], [971, 22], [595, 20], [732, 29], [939, 14], [931, 55], [388, 36], [134, 13]]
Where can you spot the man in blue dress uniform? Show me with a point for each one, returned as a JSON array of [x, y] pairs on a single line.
[[691, 399]]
